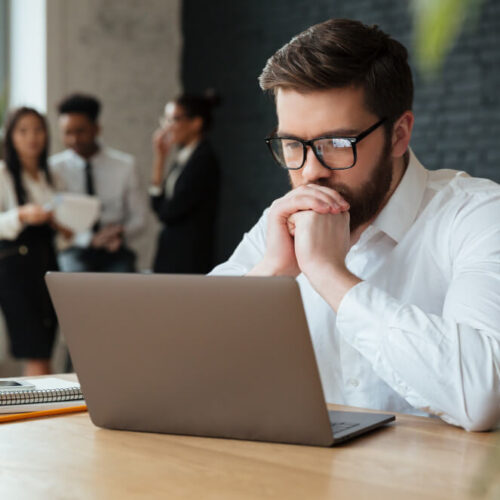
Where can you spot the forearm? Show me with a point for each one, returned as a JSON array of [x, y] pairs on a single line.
[[134, 215], [158, 172], [332, 283], [134, 227], [264, 268], [135, 221], [247, 254], [10, 224], [437, 364]]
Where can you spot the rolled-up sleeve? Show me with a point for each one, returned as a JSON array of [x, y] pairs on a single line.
[[247, 254], [135, 205], [10, 225], [446, 364]]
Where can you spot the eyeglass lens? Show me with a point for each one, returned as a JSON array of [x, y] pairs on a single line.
[[334, 152]]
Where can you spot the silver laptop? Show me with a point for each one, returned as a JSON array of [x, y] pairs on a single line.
[[206, 356]]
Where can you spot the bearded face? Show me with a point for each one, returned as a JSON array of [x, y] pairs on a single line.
[[366, 199]]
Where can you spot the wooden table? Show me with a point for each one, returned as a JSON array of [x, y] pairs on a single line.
[[67, 457]]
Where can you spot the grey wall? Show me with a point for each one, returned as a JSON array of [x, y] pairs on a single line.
[[227, 44], [127, 52]]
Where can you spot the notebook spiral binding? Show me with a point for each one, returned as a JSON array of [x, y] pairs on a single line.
[[40, 396]]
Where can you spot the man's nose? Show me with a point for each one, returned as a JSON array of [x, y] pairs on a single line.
[[71, 139], [313, 170]]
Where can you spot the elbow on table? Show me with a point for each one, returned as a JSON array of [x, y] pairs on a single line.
[[482, 415]]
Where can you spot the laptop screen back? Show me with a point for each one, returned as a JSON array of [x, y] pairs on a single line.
[[208, 356]]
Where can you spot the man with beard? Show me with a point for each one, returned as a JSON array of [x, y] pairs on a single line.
[[399, 267]]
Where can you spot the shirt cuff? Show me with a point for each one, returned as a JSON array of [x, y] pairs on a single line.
[[155, 191], [82, 239]]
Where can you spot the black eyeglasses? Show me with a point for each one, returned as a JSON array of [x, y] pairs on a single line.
[[334, 153]]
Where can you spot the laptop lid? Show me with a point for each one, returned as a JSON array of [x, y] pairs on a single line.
[[208, 356]]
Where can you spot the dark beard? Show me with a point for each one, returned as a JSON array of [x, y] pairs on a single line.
[[366, 200]]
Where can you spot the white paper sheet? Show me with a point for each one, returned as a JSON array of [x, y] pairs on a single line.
[[77, 212]]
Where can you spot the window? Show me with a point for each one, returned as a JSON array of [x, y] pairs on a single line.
[[4, 59]]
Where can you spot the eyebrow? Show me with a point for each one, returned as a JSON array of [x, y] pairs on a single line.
[[344, 132]]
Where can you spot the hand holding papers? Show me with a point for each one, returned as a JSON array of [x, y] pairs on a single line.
[[77, 212]]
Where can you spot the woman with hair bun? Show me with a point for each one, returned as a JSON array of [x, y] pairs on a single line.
[[27, 231], [184, 189]]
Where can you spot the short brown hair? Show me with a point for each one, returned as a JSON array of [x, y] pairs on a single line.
[[341, 53]]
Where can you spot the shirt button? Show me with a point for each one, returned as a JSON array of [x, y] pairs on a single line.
[[353, 381]]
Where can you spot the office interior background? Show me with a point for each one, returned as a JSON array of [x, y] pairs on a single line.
[[136, 54]]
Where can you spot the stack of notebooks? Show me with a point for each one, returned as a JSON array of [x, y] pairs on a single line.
[[47, 396]]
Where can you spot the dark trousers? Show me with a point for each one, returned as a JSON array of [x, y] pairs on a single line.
[[97, 260], [24, 298]]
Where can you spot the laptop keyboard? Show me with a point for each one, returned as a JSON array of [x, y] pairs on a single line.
[[342, 426]]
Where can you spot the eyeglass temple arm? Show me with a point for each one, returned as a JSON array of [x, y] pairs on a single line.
[[369, 130]]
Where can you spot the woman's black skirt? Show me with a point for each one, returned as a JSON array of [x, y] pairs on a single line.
[[30, 318]]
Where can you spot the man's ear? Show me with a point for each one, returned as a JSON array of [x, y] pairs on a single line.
[[97, 129], [401, 134]]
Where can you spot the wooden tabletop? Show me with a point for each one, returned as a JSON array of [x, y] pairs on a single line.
[[67, 457]]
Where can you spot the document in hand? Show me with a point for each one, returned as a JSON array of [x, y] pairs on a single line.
[[75, 211]]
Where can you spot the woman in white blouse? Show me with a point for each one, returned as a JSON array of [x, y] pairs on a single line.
[[27, 233]]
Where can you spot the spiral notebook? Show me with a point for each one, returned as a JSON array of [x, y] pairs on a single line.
[[49, 393]]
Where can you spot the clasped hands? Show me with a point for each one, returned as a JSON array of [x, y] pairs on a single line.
[[308, 231], [108, 237]]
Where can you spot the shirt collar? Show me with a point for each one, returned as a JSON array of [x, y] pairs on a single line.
[[81, 161], [29, 180], [185, 153], [402, 208]]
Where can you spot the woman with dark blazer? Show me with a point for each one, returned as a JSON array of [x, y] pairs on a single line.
[[27, 231], [184, 193]]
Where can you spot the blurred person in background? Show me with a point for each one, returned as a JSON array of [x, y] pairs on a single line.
[[89, 167], [184, 189], [27, 230]]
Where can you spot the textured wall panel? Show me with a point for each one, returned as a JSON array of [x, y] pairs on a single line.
[[127, 52], [227, 44]]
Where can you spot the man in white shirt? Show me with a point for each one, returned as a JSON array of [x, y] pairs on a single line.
[[399, 267], [88, 167]]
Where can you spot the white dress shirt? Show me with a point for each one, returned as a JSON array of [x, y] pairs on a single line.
[[421, 333], [116, 185], [38, 191]]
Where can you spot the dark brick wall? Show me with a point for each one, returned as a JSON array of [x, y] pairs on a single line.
[[226, 45]]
